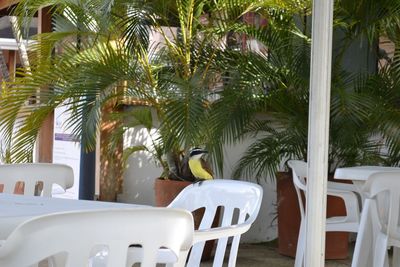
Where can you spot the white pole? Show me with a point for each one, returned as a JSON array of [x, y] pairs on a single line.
[[318, 131]]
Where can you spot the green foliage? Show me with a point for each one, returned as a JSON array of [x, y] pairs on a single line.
[[364, 107], [104, 57], [197, 88]]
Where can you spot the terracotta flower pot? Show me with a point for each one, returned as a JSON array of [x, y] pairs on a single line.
[[166, 191], [289, 221], [18, 189]]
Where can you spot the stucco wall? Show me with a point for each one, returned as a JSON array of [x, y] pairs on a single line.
[[141, 172]]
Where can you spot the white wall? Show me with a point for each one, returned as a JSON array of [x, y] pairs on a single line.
[[141, 172], [264, 228]]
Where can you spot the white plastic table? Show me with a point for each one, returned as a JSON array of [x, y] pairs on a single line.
[[369, 229], [15, 209], [359, 175]]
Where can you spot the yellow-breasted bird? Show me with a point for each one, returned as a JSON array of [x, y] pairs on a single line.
[[198, 166]]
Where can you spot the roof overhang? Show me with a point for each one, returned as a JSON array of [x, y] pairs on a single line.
[[11, 44], [7, 3]]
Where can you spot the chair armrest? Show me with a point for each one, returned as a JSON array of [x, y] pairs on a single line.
[[342, 186], [216, 233], [167, 256], [350, 201]]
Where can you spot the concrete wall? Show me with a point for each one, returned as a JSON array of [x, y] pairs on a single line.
[[142, 170], [265, 227]]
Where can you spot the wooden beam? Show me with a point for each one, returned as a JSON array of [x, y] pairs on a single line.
[[46, 134], [5, 11], [8, 10], [111, 162], [44, 20], [12, 63], [5, 75]]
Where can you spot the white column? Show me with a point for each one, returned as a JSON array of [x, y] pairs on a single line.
[[318, 131]]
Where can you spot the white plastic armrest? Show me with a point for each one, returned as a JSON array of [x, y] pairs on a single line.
[[350, 201], [216, 233], [342, 186]]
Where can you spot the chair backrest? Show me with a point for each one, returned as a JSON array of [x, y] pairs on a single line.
[[385, 188], [33, 173], [239, 201], [299, 171], [74, 235]]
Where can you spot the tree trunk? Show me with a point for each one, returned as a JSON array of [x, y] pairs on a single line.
[[46, 133], [111, 162]]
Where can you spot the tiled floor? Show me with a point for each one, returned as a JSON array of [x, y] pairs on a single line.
[[265, 254]]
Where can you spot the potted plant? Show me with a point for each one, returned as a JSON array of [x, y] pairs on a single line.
[[107, 60], [115, 63], [281, 133], [176, 173], [177, 80]]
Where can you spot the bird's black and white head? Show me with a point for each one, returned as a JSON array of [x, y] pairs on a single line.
[[197, 153]]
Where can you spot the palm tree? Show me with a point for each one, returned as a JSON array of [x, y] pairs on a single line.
[[107, 58], [363, 105]]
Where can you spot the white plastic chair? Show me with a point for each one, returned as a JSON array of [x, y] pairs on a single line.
[[379, 228], [75, 235], [33, 173], [348, 223], [240, 202]]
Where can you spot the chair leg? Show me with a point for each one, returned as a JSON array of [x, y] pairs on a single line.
[[364, 246], [386, 263], [300, 246], [396, 256], [57, 260], [195, 254], [380, 251], [181, 261], [220, 252], [234, 251]]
